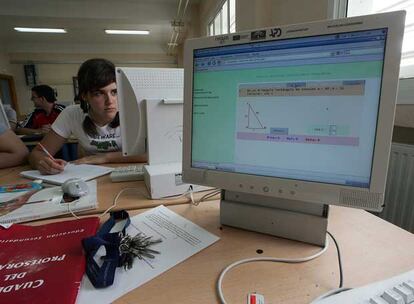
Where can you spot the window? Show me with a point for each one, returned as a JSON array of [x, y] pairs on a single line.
[[225, 20], [364, 7]]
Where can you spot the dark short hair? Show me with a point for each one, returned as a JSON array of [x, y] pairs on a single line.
[[94, 74], [45, 91]]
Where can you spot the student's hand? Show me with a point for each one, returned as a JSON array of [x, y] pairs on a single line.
[[49, 166], [45, 129], [92, 159]]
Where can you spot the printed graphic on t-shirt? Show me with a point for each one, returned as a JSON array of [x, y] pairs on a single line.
[[104, 142]]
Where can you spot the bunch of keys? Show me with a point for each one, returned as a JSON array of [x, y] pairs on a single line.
[[137, 246]]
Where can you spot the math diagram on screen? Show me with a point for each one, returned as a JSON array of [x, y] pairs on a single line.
[[253, 119]]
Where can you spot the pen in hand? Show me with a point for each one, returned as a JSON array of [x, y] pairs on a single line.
[[57, 161], [50, 165], [47, 152]]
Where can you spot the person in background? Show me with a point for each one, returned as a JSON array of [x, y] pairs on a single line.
[[45, 113], [11, 116], [94, 122], [13, 152]]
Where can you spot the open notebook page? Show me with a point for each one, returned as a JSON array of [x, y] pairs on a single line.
[[85, 172]]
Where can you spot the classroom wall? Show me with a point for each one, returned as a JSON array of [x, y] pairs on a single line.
[[5, 67], [57, 71], [56, 64], [191, 30], [404, 116], [58, 68], [266, 13], [252, 14]]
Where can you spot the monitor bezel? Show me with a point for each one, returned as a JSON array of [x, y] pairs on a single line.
[[298, 189], [135, 86]]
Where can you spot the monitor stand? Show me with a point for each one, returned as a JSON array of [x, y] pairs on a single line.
[[296, 220]]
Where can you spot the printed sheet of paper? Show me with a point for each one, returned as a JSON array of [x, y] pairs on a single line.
[[180, 240]]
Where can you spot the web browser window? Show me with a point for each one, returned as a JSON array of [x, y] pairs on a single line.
[[303, 108]]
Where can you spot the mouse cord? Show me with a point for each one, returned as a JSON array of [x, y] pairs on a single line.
[[269, 259], [115, 201], [71, 211]]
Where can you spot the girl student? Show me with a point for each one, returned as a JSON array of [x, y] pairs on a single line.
[[94, 122]]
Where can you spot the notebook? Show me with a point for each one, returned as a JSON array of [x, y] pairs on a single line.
[[85, 172]]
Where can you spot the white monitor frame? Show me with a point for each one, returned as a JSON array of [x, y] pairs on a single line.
[[165, 130], [135, 85], [370, 199]]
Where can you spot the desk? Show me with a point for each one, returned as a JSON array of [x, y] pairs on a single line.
[[371, 248], [11, 173], [135, 198]]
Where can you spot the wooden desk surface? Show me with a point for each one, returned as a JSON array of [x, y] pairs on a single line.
[[371, 249], [135, 197]]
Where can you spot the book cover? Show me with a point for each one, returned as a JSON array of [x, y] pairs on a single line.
[[43, 264]]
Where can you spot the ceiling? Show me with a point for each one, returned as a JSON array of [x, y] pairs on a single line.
[[85, 21]]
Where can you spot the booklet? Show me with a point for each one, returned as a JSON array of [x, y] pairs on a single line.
[[17, 207], [180, 240], [43, 264], [83, 171]]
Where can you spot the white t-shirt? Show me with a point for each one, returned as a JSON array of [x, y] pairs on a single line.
[[69, 122], [3, 128], [10, 113]]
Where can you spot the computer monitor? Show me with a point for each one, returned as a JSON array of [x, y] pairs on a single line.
[[138, 87], [290, 119], [151, 119]]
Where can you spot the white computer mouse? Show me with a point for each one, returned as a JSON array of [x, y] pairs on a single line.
[[75, 187]]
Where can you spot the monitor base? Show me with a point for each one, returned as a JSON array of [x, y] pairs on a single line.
[[164, 180], [296, 220]]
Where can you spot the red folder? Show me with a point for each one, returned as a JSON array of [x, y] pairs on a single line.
[[43, 264]]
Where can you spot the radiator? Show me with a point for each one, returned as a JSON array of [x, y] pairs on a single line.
[[399, 191]]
